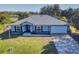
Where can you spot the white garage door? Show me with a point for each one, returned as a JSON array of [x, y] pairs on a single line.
[[58, 29]]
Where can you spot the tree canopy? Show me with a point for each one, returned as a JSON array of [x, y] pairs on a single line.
[[69, 15], [54, 10]]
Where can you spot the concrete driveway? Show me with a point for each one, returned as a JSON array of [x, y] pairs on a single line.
[[65, 44]]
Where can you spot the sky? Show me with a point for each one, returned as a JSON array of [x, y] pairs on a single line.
[[31, 7]]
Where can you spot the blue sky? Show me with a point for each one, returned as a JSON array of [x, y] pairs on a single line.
[[31, 7]]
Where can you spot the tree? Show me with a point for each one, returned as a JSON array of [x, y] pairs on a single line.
[[47, 10], [22, 15], [76, 22], [67, 13], [4, 18], [75, 18], [52, 10], [57, 10], [70, 13]]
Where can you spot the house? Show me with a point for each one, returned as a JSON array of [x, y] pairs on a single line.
[[40, 24]]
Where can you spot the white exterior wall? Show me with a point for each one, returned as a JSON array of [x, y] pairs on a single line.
[[45, 28], [23, 29], [58, 29], [12, 28], [32, 28]]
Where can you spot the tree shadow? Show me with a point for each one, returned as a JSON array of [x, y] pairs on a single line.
[[75, 37], [5, 35], [50, 49]]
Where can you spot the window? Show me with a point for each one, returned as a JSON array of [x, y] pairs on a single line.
[[38, 28], [12, 28], [18, 28]]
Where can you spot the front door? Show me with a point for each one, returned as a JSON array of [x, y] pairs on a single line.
[[27, 28]]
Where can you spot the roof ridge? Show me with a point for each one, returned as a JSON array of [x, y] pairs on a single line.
[[46, 19]]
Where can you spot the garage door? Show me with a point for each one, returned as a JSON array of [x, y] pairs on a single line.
[[58, 29]]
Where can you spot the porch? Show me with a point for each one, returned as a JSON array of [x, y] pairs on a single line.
[[31, 29], [38, 35]]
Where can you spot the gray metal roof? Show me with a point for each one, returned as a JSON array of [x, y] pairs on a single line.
[[41, 20]]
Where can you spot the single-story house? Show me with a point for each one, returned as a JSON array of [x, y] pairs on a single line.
[[40, 24]]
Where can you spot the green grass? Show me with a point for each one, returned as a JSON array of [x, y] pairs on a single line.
[[14, 19], [1, 28], [24, 45], [21, 45], [74, 30]]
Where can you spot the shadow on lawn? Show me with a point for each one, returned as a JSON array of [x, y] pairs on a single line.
[[5, 35], [50, 49], [75, 37]]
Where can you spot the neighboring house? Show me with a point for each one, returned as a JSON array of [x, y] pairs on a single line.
[[40, 24]]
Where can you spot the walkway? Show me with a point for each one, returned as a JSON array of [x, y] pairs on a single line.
[[39, 35]]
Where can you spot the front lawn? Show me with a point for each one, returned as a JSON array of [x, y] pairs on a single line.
[[24, 45]]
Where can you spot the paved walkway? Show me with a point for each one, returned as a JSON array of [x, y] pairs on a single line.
[[66, 45], [39, 35]]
